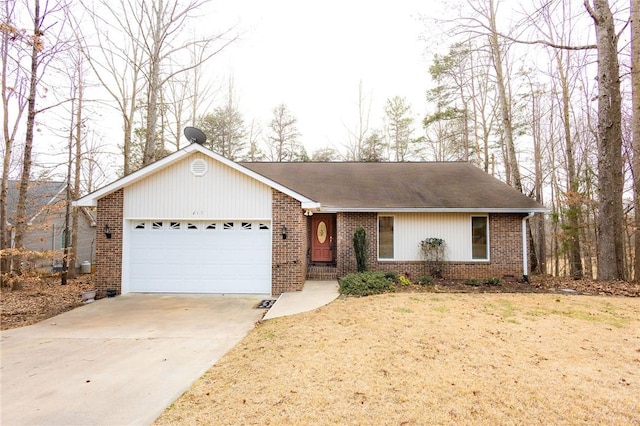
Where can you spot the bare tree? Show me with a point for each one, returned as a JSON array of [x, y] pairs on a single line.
[[116, 60], [41, 56], [254, 153], [164, 20], [505, 104], [357, 134], [14, 103], [149, 58], [283, 140]]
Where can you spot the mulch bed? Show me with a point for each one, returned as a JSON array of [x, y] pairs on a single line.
[[537, 284], [36, 299]]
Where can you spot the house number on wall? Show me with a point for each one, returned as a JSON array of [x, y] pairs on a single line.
[[322, 232]]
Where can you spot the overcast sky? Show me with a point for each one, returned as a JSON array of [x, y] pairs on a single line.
[[312, 56]]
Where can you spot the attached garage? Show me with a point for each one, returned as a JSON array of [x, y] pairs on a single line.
[[215, 256], [196, 222]]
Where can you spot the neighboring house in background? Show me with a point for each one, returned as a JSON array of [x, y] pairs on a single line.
[[45, 229], [195, 222]]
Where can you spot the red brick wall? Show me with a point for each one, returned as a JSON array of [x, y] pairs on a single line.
[[346, 225], [505, 234], [109, 250], [289, 257]]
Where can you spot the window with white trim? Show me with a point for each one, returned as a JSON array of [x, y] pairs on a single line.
[[479, 238], [385, 237]]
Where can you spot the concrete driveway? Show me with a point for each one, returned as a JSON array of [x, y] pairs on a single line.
[[117, 361]]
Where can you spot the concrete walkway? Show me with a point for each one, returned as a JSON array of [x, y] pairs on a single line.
[[117, 361], [313, 295]]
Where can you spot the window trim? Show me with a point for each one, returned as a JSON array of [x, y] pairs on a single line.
[[393, 236], [487, 236]]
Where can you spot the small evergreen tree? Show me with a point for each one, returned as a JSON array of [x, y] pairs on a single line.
[[361, 248]]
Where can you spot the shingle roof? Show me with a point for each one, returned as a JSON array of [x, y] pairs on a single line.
[[39, 194], [383, 186]]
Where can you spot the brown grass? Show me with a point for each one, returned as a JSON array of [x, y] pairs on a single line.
[[431, 359]]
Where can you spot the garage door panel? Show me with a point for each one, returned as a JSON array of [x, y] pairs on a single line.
[[235, 257]]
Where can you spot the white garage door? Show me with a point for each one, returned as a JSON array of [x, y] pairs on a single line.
[[200, 257]]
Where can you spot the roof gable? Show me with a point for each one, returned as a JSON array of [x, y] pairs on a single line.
[[160, 165]]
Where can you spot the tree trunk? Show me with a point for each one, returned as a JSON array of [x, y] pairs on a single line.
[[75, 191], [609, 223], [154, 85], [21, 208], [8, 148], [538, 221], [505, 108], [635, 129]]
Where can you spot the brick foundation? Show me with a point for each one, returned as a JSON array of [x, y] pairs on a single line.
[[109, 250]]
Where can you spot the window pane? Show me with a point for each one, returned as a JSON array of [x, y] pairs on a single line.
[[385, 237], [479, 238]]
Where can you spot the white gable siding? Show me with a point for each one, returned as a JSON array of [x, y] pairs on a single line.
[[175, 193], [453, 228]]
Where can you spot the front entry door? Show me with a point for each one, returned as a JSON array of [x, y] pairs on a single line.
[[322, 238]]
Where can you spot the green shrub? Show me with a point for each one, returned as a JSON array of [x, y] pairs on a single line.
[[493, 281], [360, 247], [425, 280], [473, 282], [391, 275], [365, 284], [403, 280]]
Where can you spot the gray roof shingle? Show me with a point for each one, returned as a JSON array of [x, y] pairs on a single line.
[[384, 186]]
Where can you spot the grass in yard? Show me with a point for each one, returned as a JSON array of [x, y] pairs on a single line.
[[420, 359]]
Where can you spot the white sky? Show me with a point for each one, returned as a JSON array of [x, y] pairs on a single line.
[[311, 56]]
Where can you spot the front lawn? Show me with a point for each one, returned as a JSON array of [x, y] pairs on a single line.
[[431, 358]]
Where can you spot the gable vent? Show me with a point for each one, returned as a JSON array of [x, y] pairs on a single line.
[[199, 167]]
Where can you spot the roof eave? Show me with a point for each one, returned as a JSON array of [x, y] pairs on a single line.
[[433, 210]]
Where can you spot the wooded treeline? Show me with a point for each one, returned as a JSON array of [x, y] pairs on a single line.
[[545, 96]]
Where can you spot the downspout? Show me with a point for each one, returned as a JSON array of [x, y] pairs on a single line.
[[525, 252]]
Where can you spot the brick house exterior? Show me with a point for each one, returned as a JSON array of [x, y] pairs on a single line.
[[282, 198], [505, 250]]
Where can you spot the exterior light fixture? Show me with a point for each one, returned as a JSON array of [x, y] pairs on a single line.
[[107, 231], [308, 213], [284, 232]]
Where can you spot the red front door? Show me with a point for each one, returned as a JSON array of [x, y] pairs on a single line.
[[322, 238]]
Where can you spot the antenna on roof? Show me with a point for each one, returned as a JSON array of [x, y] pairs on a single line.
[[195, 135]]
